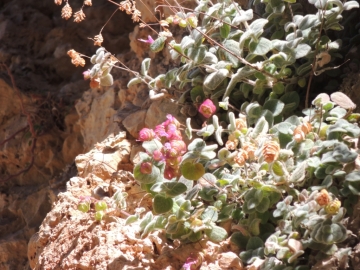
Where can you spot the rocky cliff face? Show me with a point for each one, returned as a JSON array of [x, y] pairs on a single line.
[[68, 118], [33, 44]]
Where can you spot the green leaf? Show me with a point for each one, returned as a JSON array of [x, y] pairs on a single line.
[[134, 81], [146, 219], [350, 5], [216, 233], [274, 105], [254, 243], [162, 204], [197, 54], [214, 79], [308, 21], [210, 214], [263, 206], [257, 26], [240, 239], [302, 50], [209, 59], [298, 174], [262, 47], [173, 189], [291, 101], [145, 65], [232, 46], [353, 176], [131, 219], [158, 44], [261, 128], [147, 178], [243, 16], [192, 171], [342, 154], [107, 80], [151, 146], [225, 28]]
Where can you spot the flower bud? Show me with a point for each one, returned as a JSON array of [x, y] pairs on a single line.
[[207, 108], [170, 19], [170, 173], [333, 207], [100, 206], [84, 207], [270, 151], [146, 134], [99, 215], [323, 198], [146, 168], [192, 20], [241, 157], [86, 74], [182, 23], [157, 155]]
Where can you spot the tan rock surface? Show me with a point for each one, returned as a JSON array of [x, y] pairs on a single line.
[[70, 239]]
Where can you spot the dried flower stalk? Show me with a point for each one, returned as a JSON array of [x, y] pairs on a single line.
[[79, 16], [98, 39], [66, 12], [76, 59]]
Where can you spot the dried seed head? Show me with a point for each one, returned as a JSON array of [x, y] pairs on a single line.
[[58, 2], [79, 16], [87, 3], [301, 131], [125, 6], [232, 142], [136, 14], [240, 124], [270, 151], [66, 12], [250, 149], [98, 39], [323, 197], [76, 58], [241, 157]]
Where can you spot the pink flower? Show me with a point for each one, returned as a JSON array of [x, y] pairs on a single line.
[[173, 162], [160, 131], [173, 133], [157, 155], [149, 40], [179, 147], [207, 108], [170, 173], [86, 74], [171, 120], [146, 134], [189, 262], [146, 168]]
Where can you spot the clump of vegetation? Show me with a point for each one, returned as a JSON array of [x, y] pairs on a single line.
[[285, 182]]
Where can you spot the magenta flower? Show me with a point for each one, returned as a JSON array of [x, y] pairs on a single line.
[[86, 74], [171, 120], [146, 168], [149, 40], [146, 134], [189, 262], [157, 155], [179, 147], [207, 108], [170, 173]]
